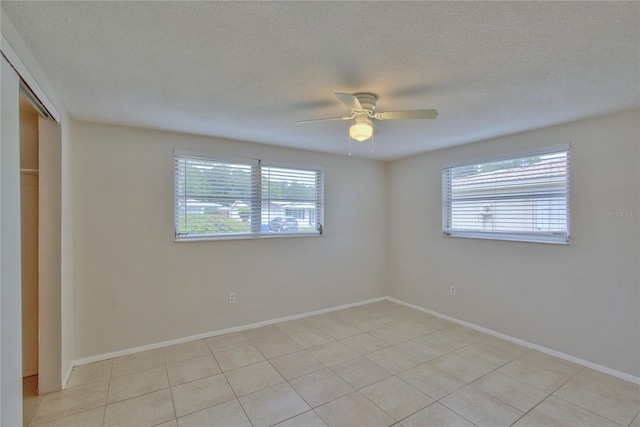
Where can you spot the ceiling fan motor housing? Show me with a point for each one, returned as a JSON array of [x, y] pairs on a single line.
[[367, 100]]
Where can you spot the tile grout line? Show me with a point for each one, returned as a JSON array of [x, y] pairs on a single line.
[[552, 394], [279, 373], [515, 379], [37, 406], [198, 379], [236, 398], [227, 380], [446, 352], [453, 391], [74, 413], [465, 383], [410, 385], [536, 405], [588, 410], [104, 413], [284, 379], [35, 410], [379, 381], [312, 408], [166, 372], [443, 405]]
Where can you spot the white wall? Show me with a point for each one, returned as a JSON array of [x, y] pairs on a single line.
[[135, 286], [582, 299]]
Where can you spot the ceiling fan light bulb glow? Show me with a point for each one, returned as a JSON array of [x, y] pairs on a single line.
[[361, 130]]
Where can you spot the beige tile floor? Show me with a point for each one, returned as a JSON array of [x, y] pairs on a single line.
[[381, 364]]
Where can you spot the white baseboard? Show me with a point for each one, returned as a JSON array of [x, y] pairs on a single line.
[[518, 341], [100, 357], [65, 380], [524, 343]]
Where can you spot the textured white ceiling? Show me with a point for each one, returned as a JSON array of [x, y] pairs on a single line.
[[249, 70]]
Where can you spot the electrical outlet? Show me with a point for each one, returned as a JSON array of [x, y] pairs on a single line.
[[232, 297], [452, 290]]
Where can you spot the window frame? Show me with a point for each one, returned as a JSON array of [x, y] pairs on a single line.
[[561, 238], [256, 202]]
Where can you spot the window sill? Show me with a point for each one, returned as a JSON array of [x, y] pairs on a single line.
[[246, 237], [508, 238]]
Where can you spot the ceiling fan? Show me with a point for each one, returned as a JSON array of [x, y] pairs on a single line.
[[362, 107]]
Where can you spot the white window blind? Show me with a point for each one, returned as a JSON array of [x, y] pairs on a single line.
[[523, 198], [240, 198], [294, 194]]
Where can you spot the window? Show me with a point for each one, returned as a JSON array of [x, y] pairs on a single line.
[[523, 198], [240, 198]]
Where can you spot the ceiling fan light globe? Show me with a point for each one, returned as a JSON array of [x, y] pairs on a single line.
[[361, 131]]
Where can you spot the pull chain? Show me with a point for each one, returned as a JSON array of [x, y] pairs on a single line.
[[349, 142]]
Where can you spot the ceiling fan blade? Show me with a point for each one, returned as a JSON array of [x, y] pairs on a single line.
[[407, 114], [350, 101], [327, 119]]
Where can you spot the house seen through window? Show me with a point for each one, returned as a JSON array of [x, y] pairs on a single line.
[[236, 198], [522, 198]]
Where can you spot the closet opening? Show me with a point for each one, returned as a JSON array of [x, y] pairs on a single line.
[[29, 214]]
